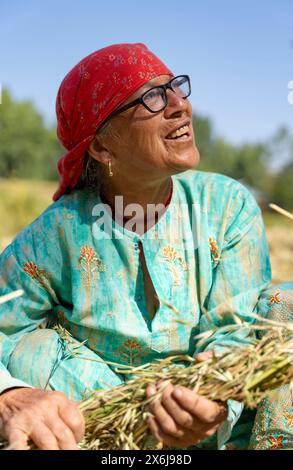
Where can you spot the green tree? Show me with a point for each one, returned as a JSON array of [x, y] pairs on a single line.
[[203, 132], [283, 188], [248, 162], [28, 149]]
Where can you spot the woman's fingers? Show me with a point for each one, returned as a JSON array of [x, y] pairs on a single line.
[[64, 436], [207, 411], [182, 418], [164, 420], [53, 434], [48, 418], [73, 418], [43, 437], [204, 356], [18, 439], [186, 440]]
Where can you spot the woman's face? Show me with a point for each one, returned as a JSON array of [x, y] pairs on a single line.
[[147, 145]]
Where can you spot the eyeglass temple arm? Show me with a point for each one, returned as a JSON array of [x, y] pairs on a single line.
[[127, 106]]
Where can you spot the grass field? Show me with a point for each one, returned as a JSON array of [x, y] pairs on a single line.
[[21, 201]]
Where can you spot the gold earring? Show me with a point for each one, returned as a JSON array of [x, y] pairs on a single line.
[[110, 168]]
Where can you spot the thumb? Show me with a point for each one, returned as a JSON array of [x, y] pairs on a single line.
[[18, 440], [204, 356]]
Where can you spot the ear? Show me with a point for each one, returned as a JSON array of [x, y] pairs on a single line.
[[99, 152]]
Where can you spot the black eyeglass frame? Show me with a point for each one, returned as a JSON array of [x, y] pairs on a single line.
[[167, 86]]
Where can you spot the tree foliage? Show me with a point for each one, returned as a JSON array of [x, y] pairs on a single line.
[[247, 162], [250, 163], [283, 187], [30, 149]]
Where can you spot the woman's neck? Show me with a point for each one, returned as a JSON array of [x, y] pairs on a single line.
[[142, 195], [127, 203]]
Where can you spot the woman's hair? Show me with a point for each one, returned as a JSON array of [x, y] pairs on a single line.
[[91, 176]]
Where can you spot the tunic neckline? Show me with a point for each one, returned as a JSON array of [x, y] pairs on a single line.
[[134, 236]]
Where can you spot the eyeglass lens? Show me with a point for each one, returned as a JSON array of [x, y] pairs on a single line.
[[155, 99]]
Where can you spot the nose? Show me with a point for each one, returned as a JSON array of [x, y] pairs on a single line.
[[176, 104]]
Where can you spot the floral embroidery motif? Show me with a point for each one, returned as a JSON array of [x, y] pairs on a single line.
[[32, 270], [289, 419], [170, 253], [275, 298], [36, 273], [276, 442], [40, 276], [90, 264], [182, 262], [132, 350], [172, 256], [214, 249], [272, 422]]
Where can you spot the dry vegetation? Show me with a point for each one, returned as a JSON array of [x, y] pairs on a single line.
[[280, 238], [22, 201], [115, 418]]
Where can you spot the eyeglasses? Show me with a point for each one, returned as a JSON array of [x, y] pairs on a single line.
[[155, 99]]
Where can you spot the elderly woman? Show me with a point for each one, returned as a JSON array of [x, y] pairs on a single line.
[[135, 250]]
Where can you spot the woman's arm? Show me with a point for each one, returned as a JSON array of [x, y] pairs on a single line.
[[31, 354], [241, 273]]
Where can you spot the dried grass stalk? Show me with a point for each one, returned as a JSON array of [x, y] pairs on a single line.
[[281, 211], [10, 296], [115, 418]]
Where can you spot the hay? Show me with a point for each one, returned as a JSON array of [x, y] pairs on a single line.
[[282, 211], [115, 418], [10, 296]]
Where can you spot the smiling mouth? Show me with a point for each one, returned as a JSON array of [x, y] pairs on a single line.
[[182, 133]]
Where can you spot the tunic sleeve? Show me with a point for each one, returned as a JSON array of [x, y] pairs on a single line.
[[18, 316], [30, 353], [241, 272]]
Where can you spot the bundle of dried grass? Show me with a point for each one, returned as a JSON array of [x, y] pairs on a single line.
[[115, 418]]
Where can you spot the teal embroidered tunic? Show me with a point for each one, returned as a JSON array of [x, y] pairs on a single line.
[[207, 253]]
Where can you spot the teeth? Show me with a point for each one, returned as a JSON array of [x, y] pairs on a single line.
[[182, 130]]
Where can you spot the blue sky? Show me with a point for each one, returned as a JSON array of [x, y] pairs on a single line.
[[239, 53]]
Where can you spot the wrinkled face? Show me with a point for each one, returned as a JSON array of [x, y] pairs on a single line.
[[148, 143]]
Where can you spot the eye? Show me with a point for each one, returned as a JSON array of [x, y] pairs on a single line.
[[180, 81], [153, 95], [181, 86]]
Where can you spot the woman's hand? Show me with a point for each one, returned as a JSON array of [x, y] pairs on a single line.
[[49, 419], [182, 418]]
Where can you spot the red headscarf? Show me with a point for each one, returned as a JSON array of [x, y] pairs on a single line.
[[90, 92]]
